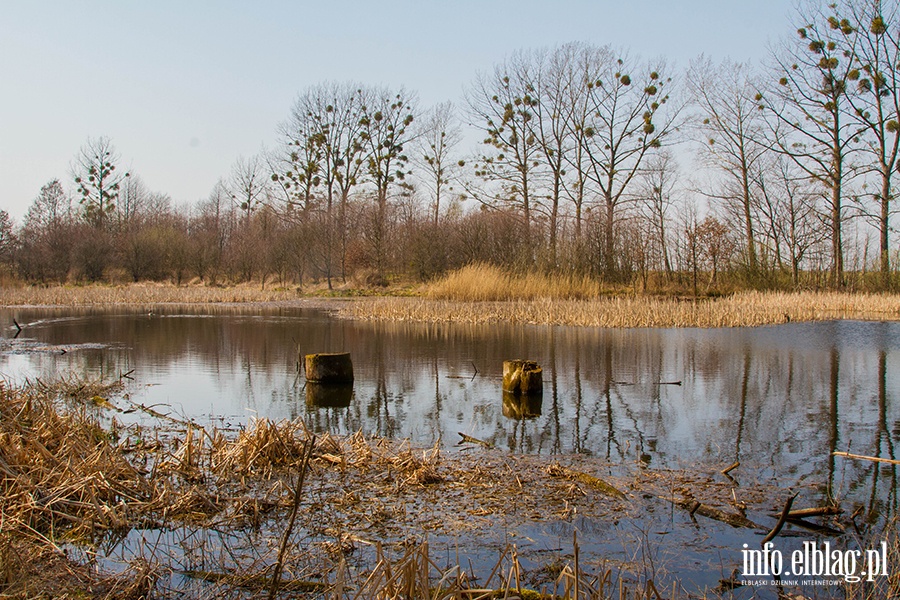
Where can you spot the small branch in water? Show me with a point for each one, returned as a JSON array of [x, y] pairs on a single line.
[[668, 383], [781, 520], [890, 461], [18, 328], [472, 378], [468, 439], [731, 468], [279, 564], [127, 375], [819, 511]]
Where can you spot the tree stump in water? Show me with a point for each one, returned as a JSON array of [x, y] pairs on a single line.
[[333, 367], [522, 378]]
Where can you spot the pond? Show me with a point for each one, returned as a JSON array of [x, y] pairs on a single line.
[[777, 399]]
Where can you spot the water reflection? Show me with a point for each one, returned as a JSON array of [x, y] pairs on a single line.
[[778, 399]]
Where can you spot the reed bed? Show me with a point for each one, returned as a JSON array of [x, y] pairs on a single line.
[[485, 283], [72, 475], [744, 309], [139, 294]]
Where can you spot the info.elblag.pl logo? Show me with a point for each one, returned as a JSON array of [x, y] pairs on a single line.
[[817, 562]]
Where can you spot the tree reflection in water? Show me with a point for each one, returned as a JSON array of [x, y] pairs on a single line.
[[778, 399]]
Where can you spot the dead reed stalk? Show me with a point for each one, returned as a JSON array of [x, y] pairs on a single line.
[[746, 309]]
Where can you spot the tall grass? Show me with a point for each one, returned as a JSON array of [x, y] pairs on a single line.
[[138, 293], [740, 310], [482, 282]]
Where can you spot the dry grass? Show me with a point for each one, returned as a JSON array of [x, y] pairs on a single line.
[[485, 294], [66, 476], [138, 293], [740, 310], [487, 283]]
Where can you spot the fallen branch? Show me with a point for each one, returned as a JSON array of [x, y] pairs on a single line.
[[781, 520], [557, 470], [279, 564], [694, 507], [731, 468], [468, 439], [889, 461], [819, 511]]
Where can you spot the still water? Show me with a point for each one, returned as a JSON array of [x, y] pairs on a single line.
[[778, 399]]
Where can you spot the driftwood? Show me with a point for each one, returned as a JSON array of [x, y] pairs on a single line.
[[731, 468], [468, 439], [815, 527], [695, 507], [557, 470], [781, 520], [819, 511], [889, 461]]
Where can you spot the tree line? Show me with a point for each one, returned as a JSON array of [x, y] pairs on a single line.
[[591, 161]]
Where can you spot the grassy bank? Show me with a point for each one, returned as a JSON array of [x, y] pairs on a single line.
[[740, 310], [486, 294], [139, 294]]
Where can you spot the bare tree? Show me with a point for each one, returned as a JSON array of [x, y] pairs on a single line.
[[95, 174], [504, 103], [730, 133], [561, 93], [808, 111], [7, 240], [385, 131], [439, 137], [46, 237], [873, 42], [629, 118], [249, 184], [656, 187], [787, 212], [324, 137]]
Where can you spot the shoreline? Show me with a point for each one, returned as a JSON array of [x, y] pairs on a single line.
[[743, 309]]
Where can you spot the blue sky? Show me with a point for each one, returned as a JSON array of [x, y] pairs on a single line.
[[185, 87]]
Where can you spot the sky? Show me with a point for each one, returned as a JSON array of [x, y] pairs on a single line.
[[183, 88]]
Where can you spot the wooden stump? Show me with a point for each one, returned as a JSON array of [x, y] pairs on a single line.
[[522, 378], [329, 368]]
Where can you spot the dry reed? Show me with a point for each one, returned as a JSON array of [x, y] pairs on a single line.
[[740, 310], [486, 283], [139, 294], [66, 477]]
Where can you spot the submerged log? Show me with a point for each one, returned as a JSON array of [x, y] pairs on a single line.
[[333, 367], [733, 519], [557, 470], [522, 378]]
